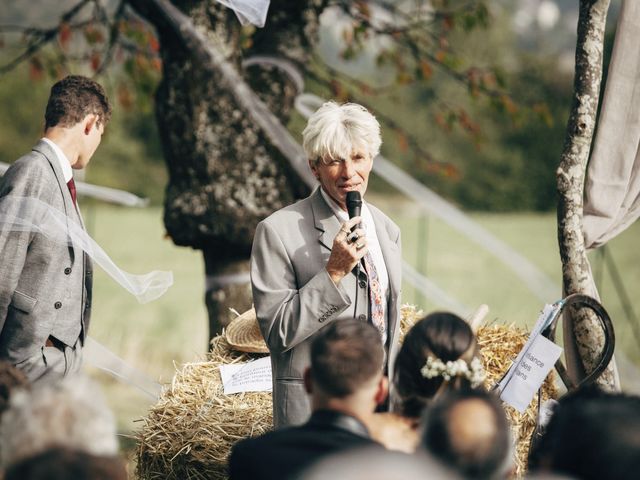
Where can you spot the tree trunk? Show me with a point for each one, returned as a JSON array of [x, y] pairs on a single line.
[[587, 335], [225, 173]]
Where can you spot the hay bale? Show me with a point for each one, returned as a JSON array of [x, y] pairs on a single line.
[[409, 315], [500, 344], [189, 433]]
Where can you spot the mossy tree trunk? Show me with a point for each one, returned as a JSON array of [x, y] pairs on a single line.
[[225, 174]]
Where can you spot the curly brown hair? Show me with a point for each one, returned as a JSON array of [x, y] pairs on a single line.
[[73, 98]]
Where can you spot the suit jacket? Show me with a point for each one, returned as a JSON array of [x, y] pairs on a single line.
[[295, 297], [45, 286], [285, 453]]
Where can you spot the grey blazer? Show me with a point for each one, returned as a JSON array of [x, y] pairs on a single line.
[[294, 296], [45, 286]]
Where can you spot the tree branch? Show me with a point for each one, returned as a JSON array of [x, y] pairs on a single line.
[[42, 37], [114, 35]]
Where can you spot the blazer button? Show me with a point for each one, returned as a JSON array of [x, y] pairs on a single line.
[[57, 305], [67, 271], [363, 284], [362, 317]]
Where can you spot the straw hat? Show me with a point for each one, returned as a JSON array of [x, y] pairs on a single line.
[[243, 333]]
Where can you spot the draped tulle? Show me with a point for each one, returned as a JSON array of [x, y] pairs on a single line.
[[249, 11], [28, 217]]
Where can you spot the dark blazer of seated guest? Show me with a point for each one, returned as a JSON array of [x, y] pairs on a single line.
[[285, 453], [345, 382]]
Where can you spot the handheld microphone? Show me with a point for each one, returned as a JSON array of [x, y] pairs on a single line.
[[354, 205]]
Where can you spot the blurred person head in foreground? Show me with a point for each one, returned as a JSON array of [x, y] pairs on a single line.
[[468, 431], [61, 463], [345, 383], [71, 413], [591, 435], [373, 464]]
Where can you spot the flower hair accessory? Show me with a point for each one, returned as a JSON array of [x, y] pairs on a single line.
[[472, 371]]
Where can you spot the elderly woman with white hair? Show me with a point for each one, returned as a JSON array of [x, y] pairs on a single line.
[[311, 264]]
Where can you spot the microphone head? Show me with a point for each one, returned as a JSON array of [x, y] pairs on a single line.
[[353, 198], [354, 203]]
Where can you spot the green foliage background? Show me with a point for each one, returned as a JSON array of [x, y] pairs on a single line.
[[129, 157]]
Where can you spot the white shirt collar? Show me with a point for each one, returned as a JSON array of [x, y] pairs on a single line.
[[65, 165], [339, 212]]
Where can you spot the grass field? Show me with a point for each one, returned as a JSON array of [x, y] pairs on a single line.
[[171, 330]]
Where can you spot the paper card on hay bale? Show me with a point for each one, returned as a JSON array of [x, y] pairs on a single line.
[[189, 433]]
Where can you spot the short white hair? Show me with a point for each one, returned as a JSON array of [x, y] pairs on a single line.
[[336, 131], [72, 414]]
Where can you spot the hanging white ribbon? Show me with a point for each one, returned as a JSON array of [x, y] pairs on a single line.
[[32, 216], [249, 11]]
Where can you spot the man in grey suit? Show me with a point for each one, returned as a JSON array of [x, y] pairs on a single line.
[[45, 285], [304, 257]]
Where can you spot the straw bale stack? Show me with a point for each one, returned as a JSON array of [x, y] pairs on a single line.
[[500, 344], [189, 433]]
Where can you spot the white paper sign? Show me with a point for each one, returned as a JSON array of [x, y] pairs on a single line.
[[529, 373], [252, 376], [546, 317]]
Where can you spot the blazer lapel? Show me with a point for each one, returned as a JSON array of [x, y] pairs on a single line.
[[70, 210], [43, 148], [325, 220]]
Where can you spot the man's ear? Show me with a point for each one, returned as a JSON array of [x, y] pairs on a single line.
[[89, 122], [306, 377], [314, 169], [382, 391]]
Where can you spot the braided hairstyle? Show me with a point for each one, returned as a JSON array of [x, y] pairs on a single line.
[[441, 335]]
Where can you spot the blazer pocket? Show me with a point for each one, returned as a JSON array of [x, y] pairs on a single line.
[[23, 302]]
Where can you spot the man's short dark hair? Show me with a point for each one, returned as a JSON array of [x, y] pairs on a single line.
[[73, 98], [592, 434], [475, 449], [61, 463], [345, 356]]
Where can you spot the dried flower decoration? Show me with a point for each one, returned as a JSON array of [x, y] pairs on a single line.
[[472, 371]]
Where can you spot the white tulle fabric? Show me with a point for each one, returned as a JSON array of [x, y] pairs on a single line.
[[249, 11], [34, 217]]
